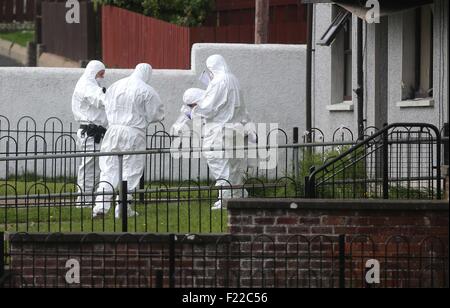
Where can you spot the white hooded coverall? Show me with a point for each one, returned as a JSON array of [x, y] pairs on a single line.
[[88, 108], [223, 103], [191, 96], [131, 105]]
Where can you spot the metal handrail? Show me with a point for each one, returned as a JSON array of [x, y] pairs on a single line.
[[381, 133]]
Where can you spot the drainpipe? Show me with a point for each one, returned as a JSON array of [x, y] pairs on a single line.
[[360, 77], [310, 11]]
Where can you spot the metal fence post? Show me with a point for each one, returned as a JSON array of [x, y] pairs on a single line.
[[342, 261], [2, 254], [307, 192], [296, 157], [446, 144], [385, 164], [310, 184], [159, 280], [124, 205], [123, 196], [172, 239], [142, 187]]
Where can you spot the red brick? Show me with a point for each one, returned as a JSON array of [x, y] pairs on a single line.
[[440, 220], [310, 220], [287, 220], [235, 229], [275, 213], [275, 230], [252, 230], [357, 221], [264, 220], [322, 230], [376, 221], [333, 220], [299, 230]]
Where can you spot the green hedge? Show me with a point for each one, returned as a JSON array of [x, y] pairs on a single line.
[[181, 12]]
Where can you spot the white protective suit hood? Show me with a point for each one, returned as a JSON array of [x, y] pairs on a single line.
[[223, 98], [190, 97], [132, 102], [193, 96], [217, 65], [88, 98], [92, 69], [143, 72]]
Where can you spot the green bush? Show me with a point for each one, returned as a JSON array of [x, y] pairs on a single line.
[[188, 13]]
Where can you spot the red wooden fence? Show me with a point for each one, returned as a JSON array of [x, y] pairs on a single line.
[[130, 38], [16, 10]]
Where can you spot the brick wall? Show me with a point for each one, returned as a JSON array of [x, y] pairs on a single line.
[[402, 235], [272, 243], [378, 219]]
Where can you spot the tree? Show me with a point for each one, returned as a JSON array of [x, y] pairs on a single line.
[[181, 12]]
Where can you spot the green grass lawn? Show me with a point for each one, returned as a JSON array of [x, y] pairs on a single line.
[[18, 37], [163, 211], [174, 211], [154, 217]]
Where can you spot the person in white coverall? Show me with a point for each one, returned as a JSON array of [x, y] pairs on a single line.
[[190, 100], [89, 111], [222, 103], [131, 105]]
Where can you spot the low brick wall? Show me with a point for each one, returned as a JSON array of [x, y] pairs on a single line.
[[404, 236], [445, 174], [271, 243], [379, 219]]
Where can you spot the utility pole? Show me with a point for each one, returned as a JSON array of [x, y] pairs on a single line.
[[262, 22], [309, 52]]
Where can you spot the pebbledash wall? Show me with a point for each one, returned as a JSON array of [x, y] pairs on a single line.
[[281, 243], [388, 60], [272, 77]]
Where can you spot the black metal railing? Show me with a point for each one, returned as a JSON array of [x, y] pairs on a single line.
[[446, 134], [54, 137], [208, 261], [401, 161], [40, 192]]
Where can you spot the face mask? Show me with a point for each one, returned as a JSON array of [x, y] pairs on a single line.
[[205, 77], [99, 81]]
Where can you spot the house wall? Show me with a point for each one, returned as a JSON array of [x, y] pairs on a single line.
[[387, 69], [327, 79], [401, 55]]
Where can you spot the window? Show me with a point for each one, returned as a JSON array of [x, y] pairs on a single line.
[[423, 87], [338, 36], [336, 26]]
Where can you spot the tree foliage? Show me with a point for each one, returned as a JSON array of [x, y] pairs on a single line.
[[181, 12]]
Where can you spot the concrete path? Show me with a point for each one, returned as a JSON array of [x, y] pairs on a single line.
[[5, 61]]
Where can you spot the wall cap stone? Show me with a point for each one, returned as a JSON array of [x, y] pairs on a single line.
[[113, 238], [319, 204]]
